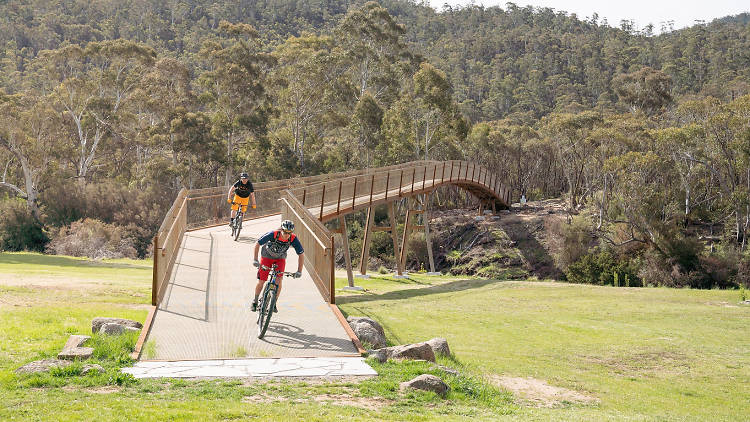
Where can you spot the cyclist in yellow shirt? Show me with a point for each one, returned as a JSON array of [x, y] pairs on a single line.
[[243, 191]]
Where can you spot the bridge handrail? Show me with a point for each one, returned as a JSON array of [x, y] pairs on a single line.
[[318, 241], [166, 244]]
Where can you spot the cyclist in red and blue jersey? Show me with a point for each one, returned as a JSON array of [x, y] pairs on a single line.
[[273, 247]]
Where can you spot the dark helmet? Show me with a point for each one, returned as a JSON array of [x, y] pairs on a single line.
[[244, 175], [287, 225]]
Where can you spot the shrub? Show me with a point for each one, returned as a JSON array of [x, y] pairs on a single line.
[[93, 239], [140, 212], [574, 240], [602, 267], [19, 231], [685, 267]]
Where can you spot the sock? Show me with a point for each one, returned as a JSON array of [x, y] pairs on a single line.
[[256, 299]]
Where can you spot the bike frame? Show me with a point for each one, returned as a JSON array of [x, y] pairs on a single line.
[[264, 314]]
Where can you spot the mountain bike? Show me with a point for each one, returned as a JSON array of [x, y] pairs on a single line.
[[237, 223], [267, 300]]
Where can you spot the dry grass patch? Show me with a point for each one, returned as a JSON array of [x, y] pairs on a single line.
[[541, 394]]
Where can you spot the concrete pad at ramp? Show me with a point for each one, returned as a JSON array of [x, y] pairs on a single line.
[[205, 313], [265, 368]]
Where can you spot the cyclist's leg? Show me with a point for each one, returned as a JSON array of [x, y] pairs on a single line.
[[235, 206], [241, 202], [262, 275], [280, 264]]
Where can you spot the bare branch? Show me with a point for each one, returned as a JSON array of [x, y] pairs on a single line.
[[19, 191]]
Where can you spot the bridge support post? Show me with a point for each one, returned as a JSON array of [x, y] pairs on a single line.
[[396, 254], [426, 222], [347, 254], [405, 237], [365, 256]]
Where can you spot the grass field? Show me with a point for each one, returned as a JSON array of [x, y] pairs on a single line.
[[645, 354], [640, 354]]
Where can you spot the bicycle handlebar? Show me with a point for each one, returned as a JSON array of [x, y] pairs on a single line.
[[263, 267]]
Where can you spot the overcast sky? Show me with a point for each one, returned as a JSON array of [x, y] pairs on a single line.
[[683, 13]]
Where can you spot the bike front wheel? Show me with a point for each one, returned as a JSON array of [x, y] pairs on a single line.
[[238, 227], [265, 311]]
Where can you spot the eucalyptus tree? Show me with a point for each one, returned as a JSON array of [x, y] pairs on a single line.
[[235, 92], [29, 133], [311, 94], [93, 87], [570, 133]]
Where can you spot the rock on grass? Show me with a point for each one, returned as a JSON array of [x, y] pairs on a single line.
[[427, 382], [43, 365], [96, 323]]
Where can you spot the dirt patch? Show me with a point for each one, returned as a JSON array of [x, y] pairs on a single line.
[[369, 403], [541, 394], [650, 363], [109, 389], [261, 398]]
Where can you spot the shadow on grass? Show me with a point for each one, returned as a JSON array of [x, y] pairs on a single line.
[[59, 261], [541, 263], [453, 286]]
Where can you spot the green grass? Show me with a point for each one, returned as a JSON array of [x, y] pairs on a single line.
[[26, 264], [646, 354], [40, 312]]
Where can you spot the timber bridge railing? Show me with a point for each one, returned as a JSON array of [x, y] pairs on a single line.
[[312, 201]]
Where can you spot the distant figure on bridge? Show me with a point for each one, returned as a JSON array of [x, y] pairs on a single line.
[[242, 191], [275, 245]]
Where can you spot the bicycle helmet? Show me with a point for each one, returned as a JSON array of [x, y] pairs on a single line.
[[244, 175], [287, 225]]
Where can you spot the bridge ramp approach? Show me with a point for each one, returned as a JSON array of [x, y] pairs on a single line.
[[205, 312]]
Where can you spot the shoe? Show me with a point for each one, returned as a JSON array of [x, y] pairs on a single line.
[[254, 306], [275, 309], [231, 222]]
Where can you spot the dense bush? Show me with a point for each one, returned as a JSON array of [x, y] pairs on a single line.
[[602, 267], [93, 239], [703, 272], [574, 240], [18, 229], [138, 212]]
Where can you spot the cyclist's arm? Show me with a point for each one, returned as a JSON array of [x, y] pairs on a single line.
[[252, 196], [231, 191], [300, 253], [300, 262], [255, 252]]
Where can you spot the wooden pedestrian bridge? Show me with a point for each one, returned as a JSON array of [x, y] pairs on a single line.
[[203, 279]]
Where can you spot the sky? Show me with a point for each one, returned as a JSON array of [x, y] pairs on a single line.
[[683, 13]]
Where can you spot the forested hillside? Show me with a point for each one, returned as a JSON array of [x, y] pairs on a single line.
[[107, 108]]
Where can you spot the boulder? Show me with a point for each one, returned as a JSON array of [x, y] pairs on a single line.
[[129, 329], [381, 355], [427, 382], [43, 365], [439, 346], [368, 330], [80, 353], [112, 329], [75, 341], [413, 351], [91, 368], [97, 323]]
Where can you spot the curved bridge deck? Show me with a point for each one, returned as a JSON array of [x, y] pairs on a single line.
[[205, 311]]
